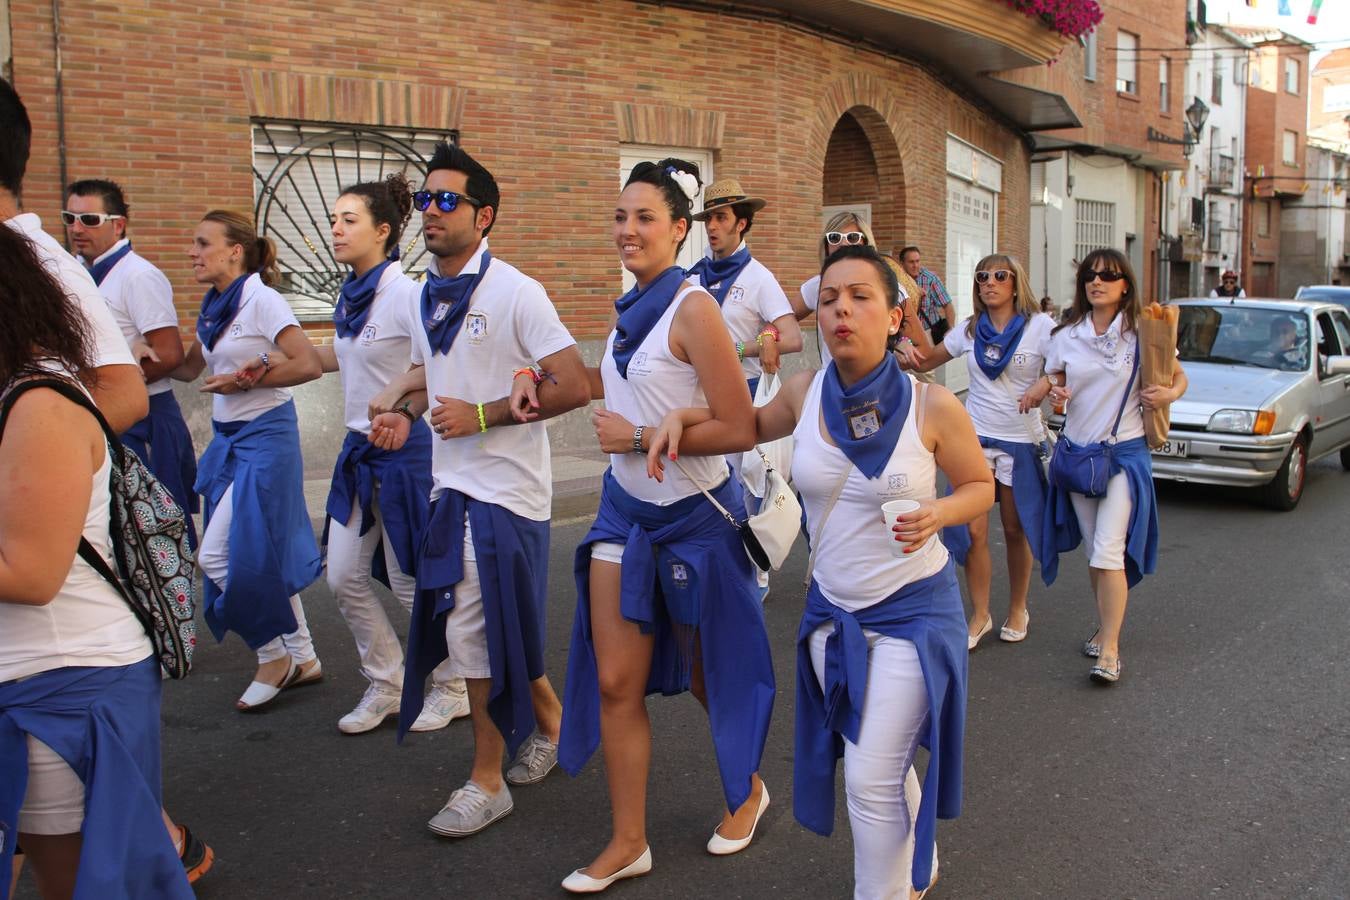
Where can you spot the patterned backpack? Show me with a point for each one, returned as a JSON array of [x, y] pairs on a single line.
[[150, 539]]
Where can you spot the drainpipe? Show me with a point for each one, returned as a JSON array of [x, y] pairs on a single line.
[[60, 94]]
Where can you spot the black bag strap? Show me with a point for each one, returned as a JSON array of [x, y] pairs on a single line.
[[1134, 370]]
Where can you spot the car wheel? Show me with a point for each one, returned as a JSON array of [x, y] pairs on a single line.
[[1286, 489]]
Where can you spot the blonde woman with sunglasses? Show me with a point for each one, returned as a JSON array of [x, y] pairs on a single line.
[[1004, 342]]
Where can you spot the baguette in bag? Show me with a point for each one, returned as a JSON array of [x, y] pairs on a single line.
[[1157, 364]]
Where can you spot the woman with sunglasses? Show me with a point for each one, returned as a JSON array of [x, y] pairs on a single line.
[[666, 594], [883, 624], [1004, 342], [1092, 367], [257, 550]]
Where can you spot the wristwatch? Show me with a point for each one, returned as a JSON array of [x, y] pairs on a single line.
[[637, 438]]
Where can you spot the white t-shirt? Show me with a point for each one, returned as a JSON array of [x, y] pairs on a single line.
[[991, 408], [263, 314], [141, 300], [510, 323], [369, 361], [110, 348], [1096, 368], [754, 300]]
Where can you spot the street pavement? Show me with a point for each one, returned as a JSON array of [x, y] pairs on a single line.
[[1217, 767]]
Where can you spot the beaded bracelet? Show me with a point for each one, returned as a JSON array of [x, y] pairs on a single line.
[[769, 330], [740, 351], [482, 420]]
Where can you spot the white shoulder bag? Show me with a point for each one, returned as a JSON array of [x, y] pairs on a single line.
[[769, 534]]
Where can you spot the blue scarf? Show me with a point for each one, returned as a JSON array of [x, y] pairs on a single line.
[[355, 300], [684, 573], [927, 613], [105, 265], [865, 419], [639, 311], [994, 349], [164, 444], [218, 311], [718, 275], [445, 303], [511, 553], [272, 549], [104, 722], [1029, 488]]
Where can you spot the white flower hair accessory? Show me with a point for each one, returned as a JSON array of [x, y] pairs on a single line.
[[687, 181]]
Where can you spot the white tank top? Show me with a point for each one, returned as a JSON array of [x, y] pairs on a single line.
[[854, 565], [657, 383]]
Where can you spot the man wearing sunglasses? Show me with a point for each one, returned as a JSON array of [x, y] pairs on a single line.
[[482, 572], [141, 300], [1228, 286], [935, 305], [117, 385]]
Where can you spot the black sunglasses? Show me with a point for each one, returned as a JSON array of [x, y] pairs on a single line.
[[1105, 275], [446, 201], [835, 238], [999, 275]]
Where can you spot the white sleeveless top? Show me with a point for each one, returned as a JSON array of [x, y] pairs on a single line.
[[657, 383], [854, 565]]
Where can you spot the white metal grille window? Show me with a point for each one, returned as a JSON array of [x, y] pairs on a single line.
[[299, 171], [1094, 226], [1127, 62]]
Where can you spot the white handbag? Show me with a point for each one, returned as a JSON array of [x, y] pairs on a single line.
[[769, 534]]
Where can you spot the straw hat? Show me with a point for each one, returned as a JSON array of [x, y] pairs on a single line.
[[725, 192]]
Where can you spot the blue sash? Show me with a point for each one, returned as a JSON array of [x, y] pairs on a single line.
[[718, 275], [865, 419], [272, 549], [104, 722], [511, 553], [684, 572], [218, 311], [355, 299], [1028, 486], [1060, 532], [639, 310], [927, 613], [445, 304], [101, 268], [404, 478], [993, 348], [164, 444]]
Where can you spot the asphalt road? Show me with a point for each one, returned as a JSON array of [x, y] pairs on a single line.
[[1217, 767]]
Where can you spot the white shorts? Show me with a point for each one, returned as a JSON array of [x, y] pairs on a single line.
[[1001, 463], [1105, 523], [607, 551], [465, 627], [54, 802]]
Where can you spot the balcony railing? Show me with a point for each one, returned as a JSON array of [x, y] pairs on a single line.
[[1221, 172]]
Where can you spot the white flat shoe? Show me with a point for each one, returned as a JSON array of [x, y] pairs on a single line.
[[581, 883], [1012, 635], [259, 693], [973, 642], [720, 846]]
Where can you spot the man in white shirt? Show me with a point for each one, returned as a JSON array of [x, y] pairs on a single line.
[[141, 300], [115, 381]]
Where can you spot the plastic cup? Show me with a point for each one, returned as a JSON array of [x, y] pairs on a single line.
[[890, 511]]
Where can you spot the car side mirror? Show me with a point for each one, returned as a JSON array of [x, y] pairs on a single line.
[[1337, 365]]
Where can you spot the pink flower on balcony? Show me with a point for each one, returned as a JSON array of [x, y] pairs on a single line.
[[1071, 18]]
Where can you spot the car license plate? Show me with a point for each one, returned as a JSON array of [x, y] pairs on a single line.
[[1172, 448]]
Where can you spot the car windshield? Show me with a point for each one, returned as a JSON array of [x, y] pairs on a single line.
[[1327, 294], [1243, 336]]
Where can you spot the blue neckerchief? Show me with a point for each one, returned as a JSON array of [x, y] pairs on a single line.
[[1060, 532], [105, 265], [218, 311], [272, 549], [684, 572], [639, 311], [718, 275], [445, 302], [929, 614], [104, 722], [355, 300], [994, 348], [865, 419], [164, 444], [511, 553]]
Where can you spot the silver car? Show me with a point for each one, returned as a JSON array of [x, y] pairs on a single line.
[[1269, 392]]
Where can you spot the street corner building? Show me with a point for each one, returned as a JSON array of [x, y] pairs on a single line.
[[918, 115]]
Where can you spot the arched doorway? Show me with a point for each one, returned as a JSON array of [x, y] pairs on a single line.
[[863, 172]]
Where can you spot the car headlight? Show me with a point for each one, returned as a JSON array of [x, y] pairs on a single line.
[[1242, 421]]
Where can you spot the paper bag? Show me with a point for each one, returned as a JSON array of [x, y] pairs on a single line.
[[1157, 363]]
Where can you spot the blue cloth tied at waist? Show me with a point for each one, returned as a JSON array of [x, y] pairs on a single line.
[[1028, 487], [1060, 532], [164, 444], [104, 722], [511, 553], [684, 575], [404, 480], [273, 553], [927, 613]]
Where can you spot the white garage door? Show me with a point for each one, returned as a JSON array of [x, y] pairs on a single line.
[[970, 237]]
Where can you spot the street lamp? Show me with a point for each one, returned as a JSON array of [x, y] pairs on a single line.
[[1196, 114]]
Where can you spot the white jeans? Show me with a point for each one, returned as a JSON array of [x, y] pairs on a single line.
[[349, 558], [214, 559], [1105, 523], [879, 781]]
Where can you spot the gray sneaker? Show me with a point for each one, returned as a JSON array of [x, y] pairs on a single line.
[[534, 760], [469, 810]]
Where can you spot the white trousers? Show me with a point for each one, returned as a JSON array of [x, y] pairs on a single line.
[[1105, 523], [213, 556], [349, 558], [879, 780]]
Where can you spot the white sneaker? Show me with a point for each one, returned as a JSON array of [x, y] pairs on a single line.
[[534, 760], [469, 810], [442, 706], [376, 705]]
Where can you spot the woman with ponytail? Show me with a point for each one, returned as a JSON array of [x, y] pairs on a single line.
[[258, 549], [379, 499]]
